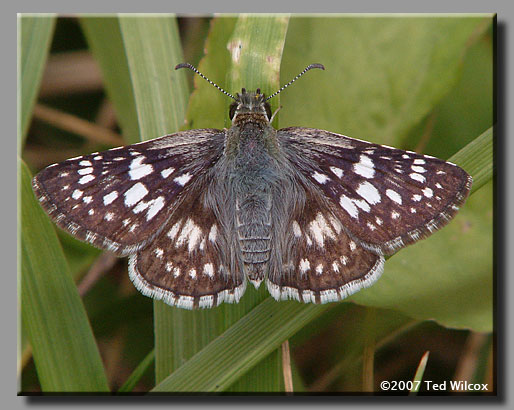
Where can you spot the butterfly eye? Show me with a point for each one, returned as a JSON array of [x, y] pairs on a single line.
[[267, 107], [232, 110]]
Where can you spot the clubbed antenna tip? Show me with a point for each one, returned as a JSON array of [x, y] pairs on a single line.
[[309, 67]]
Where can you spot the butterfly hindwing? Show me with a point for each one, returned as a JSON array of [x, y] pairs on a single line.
[[385, 198], [323, 263], [119, 199], [187, 264]]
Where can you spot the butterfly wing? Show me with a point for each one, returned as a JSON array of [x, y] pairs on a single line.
[[322, 263], [120, 199], [385, 198], [189, 263]]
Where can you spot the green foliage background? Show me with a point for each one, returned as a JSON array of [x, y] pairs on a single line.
[[410, 82]]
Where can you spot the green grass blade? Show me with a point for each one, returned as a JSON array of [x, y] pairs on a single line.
[[112, 59], [153, 49], [132, 380], [477, 159], [241, 347], [35, 36], [64, 348], [418, 377]]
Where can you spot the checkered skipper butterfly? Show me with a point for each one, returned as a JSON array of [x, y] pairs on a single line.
[[201, 212]]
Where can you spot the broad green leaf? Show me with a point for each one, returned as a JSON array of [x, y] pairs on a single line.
[[106, 43], [64, 349], [35, 37], [152, 48], [383, 74]]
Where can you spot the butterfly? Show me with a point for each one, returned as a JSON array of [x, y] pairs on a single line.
[[201, 213]]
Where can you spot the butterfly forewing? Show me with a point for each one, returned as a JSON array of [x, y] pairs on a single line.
[[119, 199], [385, 198]]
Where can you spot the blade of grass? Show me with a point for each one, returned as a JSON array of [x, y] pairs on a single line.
[[418, 377], [112, 59], [64, 348], [368, 355], [152, 47], [34, 39], [132, 380], [477, 159], [241, 347]]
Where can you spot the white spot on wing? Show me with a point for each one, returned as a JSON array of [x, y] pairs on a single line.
[[321, 178], [319, 269], [337, 171], [347, 204], [208, 269], [428, 192], [138, 170], [304, 265], [362, 204], [85, 171], [156, 205], [86, 178], [165, 173], [194, 238], [213, 233], [418, 169], [135, 194], [109, 198], [296, 229], [364, 167], [183, 179], [76, 194], [174, 230], [417, 177], [394, 196], [368, 191]]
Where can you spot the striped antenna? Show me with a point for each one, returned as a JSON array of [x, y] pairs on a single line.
[[191, 67], [310, 67]]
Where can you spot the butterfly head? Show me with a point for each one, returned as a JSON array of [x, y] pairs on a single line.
[[249, 102]]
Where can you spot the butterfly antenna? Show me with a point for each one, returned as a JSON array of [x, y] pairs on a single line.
[[310, 67], [193, 68]]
